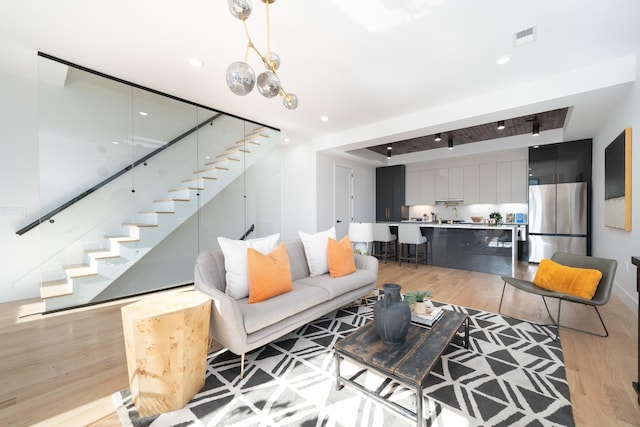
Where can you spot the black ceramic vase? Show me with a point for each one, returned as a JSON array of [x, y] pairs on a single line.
[[392, 315]]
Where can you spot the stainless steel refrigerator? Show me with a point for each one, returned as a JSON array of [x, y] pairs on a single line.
[[557, 219]]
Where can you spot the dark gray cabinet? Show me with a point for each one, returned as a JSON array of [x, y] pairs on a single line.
[[560, 163], [390, 182]]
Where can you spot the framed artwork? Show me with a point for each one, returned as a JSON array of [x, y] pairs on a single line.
[[617, 182]]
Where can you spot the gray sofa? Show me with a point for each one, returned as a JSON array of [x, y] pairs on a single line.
[[242, 327]]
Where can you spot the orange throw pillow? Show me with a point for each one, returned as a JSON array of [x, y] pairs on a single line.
[[580, 282], [340, 257], [269, 275]]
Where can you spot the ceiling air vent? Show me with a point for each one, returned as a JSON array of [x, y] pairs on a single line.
[[524, 36]]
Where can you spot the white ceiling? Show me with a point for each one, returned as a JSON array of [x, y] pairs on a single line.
[[381, 70]]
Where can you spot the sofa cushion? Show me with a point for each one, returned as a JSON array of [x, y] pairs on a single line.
[[269, 275], [341, 285], [315, 248], [235, 261], [271, 311], [340, 257]]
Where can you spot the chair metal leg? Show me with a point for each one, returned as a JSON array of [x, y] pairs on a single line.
[[556, 320], [504, 287], [558, 326]]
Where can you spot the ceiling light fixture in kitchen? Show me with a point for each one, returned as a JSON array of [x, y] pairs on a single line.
[[389, 151], [438, 137], [535, 131], [450, 144], [500, 124], [240, 76]]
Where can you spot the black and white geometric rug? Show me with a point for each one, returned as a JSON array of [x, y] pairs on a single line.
[[512, 375]]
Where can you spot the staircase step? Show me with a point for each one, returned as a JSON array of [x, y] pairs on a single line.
[[233, 149], [102, 254], [55, 288], [194, 183], [79, 270], [224, 158], [122, 239], [140, 225], [211, 169]]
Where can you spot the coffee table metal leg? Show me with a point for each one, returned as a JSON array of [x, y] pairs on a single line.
[[336, 357], [466, 333]]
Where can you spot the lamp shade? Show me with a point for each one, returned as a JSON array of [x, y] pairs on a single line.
[[361, 232]]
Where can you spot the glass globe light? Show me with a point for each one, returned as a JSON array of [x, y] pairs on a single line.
[[272, 61], [290, 101], [268, 84], [240, 9], [240, 78]]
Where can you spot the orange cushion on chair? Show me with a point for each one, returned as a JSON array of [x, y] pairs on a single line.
[[580, 282], [269, 275], [340, 257]]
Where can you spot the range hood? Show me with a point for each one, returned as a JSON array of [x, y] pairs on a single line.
[[449, 202]]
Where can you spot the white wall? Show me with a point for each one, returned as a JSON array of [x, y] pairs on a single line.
[[19, 181], [609, 242], [307, 189], [364, 189]]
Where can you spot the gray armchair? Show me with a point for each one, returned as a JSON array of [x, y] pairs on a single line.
[[606, 266]]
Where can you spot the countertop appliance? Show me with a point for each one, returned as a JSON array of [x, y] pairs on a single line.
[[557, 219]]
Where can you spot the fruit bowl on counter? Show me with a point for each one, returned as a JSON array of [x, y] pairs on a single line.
[[477, 218]]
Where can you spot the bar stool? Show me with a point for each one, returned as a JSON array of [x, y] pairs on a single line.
[[382, 234], [409, 234]]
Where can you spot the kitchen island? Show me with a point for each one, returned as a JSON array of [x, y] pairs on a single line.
[[489, 249]]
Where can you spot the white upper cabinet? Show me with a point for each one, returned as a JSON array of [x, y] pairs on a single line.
[[456, 183], [493, 179], [511, 181], [471, 178], [442, 184], [420, 187], [519, 181], [428, 187], [503, 182], [412, 188], [487, 183]]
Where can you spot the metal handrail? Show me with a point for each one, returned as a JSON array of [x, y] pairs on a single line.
[[249, 231], [141, 161]]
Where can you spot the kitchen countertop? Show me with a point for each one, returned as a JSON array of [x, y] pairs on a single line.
[[477, 225]]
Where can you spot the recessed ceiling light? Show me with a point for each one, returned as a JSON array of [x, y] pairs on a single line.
[[195, 62], [503, 60], [286, 139], [143, 113], [324, 118], [115, 142]]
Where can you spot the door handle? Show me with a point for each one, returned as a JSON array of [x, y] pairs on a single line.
[[338, 221]]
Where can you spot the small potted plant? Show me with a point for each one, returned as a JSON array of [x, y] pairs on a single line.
[[496, 217], [417, 299]]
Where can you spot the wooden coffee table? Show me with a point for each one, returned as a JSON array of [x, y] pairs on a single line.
[[408, 363]]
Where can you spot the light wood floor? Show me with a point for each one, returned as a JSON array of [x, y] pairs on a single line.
[[61, 369]]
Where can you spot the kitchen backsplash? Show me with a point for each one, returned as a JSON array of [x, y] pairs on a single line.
[[465, 212]]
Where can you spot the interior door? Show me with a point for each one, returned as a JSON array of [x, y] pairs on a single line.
[[343, 192]]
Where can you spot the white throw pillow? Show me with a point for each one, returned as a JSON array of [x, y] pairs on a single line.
[[235, 261], [315, 249]]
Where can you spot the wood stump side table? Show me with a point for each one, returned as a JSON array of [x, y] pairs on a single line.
[[166, 339]]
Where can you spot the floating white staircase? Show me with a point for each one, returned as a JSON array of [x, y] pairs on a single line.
[[101, 267]]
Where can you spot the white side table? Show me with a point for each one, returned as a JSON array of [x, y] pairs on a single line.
[[166, 339]]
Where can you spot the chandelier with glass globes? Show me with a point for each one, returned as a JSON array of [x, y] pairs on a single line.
[[240, 76]]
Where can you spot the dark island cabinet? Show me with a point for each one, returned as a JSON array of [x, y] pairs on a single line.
[[560, 163], [390, 183]]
